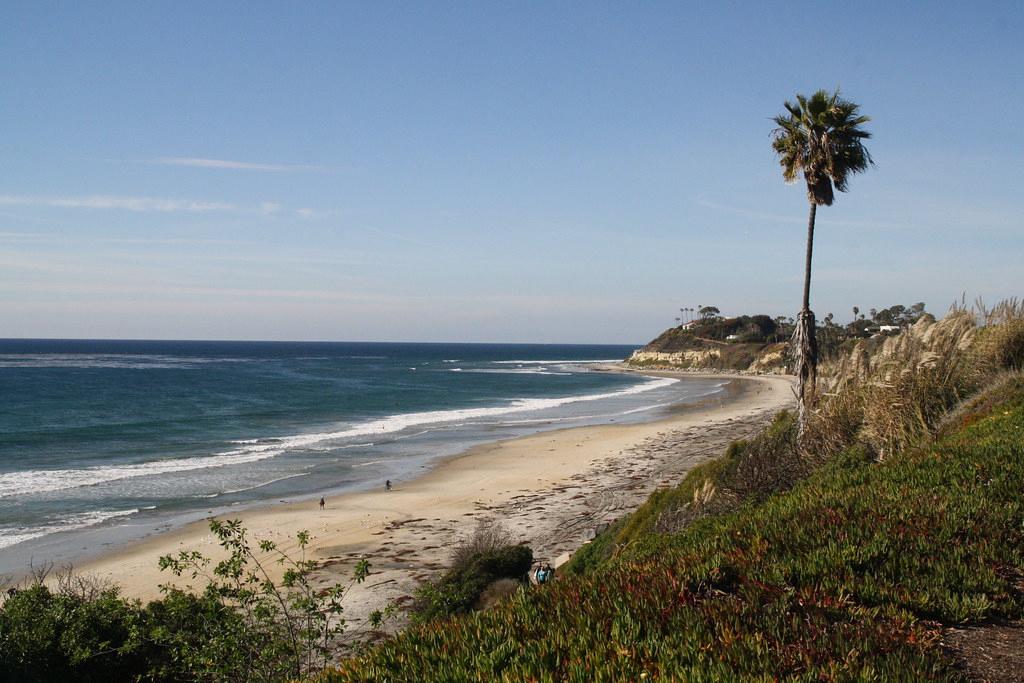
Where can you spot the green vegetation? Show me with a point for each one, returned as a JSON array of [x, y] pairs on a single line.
[[839, 558], [747, 471], [745, 329], [485, 566], [242, 626], [837, 578], [460, 590]]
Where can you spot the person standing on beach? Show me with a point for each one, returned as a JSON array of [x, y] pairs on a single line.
[[322, 503], [387, 485]]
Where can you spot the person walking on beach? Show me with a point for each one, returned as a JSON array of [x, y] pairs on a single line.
[[322, 503], [387, 485]]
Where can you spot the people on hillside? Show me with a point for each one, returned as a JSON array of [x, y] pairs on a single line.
[[544, 573]]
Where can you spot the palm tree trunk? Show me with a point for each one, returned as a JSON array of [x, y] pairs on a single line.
[[804, 343], [807, 263]]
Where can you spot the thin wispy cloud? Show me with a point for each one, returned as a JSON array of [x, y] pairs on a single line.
[[138, 204], [201, 162], [768, 217], [397, 236], [747, 213], [21, 235]]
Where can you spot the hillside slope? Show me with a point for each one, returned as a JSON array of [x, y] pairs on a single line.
[[851, 574], [689, 348]]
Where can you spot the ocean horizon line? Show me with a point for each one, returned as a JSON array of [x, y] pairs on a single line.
[[310, 341]]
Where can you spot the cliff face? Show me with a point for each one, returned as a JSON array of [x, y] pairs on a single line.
[[693, 359], [677, 348]]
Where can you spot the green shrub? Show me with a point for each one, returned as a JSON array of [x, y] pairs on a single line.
[[48, 636], [243, 626], [277, 630], [459, 590]]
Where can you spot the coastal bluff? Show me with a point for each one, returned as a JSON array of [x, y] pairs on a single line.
[[743, 345]]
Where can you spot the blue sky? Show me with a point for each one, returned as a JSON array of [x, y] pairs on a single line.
[[548, 172]]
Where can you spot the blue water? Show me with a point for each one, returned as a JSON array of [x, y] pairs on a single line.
[[97, 434]]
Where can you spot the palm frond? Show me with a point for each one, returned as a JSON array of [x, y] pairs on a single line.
[[821, 138]]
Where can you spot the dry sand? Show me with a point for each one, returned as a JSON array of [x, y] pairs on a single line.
[[551, 490]]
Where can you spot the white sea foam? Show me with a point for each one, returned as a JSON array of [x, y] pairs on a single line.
[[42, 481], [642, 409], [265, 483], [368, 463], [541, 370], [11, 536]]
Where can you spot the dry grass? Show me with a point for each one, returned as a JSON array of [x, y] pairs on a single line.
[[926, 372], [1001, 347], [897, 393], [892, 398], [488, 535]]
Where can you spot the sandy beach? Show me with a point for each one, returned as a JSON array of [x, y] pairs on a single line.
[[550, 489]]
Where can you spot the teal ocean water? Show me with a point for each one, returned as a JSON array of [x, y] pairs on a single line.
[[102, 441]]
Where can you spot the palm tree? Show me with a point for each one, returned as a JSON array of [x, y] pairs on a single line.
[[821, 138]]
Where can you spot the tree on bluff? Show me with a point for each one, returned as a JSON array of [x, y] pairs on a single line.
[[819, 137], [709, 312]]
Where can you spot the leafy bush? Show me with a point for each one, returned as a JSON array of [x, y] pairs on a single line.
[[757, 328], [242, 626], [459, 590], [62, 636], [770, 462], [284, 629]]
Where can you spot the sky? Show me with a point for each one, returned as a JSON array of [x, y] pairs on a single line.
[[493, 172]]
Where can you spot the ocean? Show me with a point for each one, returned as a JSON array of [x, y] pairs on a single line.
[[102, 442]]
